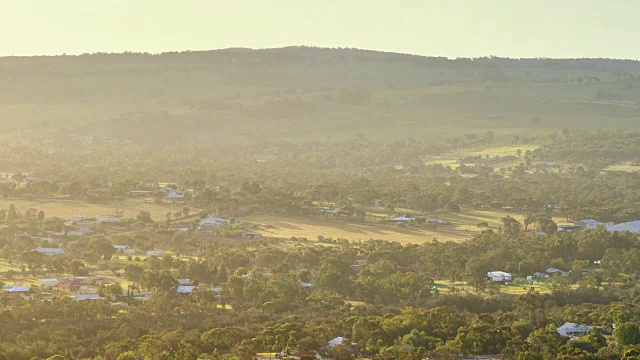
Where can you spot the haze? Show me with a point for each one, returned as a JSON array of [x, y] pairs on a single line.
[[460, 28]]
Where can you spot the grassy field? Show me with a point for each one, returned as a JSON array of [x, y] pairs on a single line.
[[449, 159], [623, 166], [463, 227], [66, 208]]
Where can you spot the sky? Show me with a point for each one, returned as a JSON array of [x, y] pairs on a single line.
[[450, 28]]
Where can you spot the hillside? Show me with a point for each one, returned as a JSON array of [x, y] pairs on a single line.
[[299, 94]]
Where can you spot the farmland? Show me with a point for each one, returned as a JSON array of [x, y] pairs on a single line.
[[65, 208], [462, 227]]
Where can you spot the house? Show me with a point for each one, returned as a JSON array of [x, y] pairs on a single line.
[[338, 341], [540, 275], [18, 289], [109, 219], [588, 224], [184, 281], [633, 226], [401, 219], [592, 224], [157, 253], [573, 330], [69, 285], [82, 297], [182, 226], [306, 285], [214, 221], [498, 276], [553, 271], [568, 228], [49, 283], [124, 249], [251, 235], [186, 289], [50, 251]]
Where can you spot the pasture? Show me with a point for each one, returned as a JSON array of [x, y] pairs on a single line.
[[65, 208], [462, 227]]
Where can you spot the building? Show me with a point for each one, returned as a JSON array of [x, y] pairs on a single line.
[[573, 329], [69, 285], [50, 251], [214, 221], [18, 289], [499, 276], [401, 219], [186, 289], [124, 249], [87, 297], [553, 271], [157, 253], [591, 224], [49, 283], [633, 226], [251, 235], [184, 281]]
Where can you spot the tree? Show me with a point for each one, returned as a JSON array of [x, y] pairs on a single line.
[[511, 227], [35, 260], [627, 334], [144, 216], [129, 355]]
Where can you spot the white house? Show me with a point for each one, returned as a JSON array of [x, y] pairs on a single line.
[[401, 219], [157, 253], [572, 329], [186, 289], [184, 281], [214, 221], [50, 251], [306, 285], [499, 276]]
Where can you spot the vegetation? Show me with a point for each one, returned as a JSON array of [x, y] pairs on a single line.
[[348, 193]]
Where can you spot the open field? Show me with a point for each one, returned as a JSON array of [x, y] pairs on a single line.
[[66, 208], [463, 227], [623, 166], [449, 159], [288, 226]]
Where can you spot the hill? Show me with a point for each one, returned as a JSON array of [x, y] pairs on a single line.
[[298, 94]]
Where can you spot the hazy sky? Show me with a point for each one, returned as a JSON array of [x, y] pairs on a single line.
[[452, 28]]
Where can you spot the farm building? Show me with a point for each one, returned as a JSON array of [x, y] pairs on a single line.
[[633, 226], [214, 221], [18, 289], [186, 289], [499, 276], [157, 253], [401, 219], [50, 251]]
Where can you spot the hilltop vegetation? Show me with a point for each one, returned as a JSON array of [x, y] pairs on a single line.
[[299, 94], [221, 204]]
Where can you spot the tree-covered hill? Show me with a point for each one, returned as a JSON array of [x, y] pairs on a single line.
[[303, 93]]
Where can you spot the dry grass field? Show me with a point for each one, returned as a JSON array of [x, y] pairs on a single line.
[[288, 226], [66, 208], [462, 227]]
